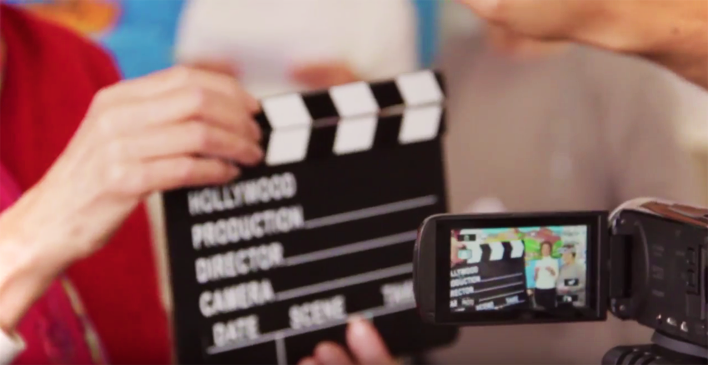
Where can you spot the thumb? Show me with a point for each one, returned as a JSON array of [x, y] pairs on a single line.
[[366, 344]]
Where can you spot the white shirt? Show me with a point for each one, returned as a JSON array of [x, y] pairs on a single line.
[[545, 279], [265, 39], [10, 347]]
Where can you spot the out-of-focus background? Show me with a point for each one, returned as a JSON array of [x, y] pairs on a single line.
[[532, 126], [142, 34]]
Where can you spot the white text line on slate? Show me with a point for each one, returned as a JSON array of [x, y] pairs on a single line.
[[280, 349], [375, 312], [372, 211], [500, 296], [344, 282], [478, 281], [351, 248], [456, 293], [235, 263]]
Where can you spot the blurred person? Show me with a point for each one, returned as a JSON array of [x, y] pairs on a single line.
[[673, 34], [79, 151], [571, 271], [553, 126], [545, 276], [280, 46]]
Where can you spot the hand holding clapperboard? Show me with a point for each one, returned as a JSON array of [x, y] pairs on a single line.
[[267, 266]]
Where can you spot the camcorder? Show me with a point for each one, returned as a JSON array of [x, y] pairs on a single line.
[[646, 261]]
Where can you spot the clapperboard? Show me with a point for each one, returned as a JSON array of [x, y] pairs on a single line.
[[492, 277], [265, 267]]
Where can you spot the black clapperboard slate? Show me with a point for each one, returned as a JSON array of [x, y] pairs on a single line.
[[264, 268], [495, 273]]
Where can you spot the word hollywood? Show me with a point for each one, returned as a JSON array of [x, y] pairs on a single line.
[[267, 266]]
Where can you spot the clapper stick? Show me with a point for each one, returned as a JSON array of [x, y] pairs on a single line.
[[356, 109], [265, 267]]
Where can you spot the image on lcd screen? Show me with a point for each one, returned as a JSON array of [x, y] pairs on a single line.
[[540, 268]]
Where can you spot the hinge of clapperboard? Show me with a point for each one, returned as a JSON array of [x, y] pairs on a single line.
[[296, 125]]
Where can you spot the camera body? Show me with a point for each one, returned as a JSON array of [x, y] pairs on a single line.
[[646, 261]]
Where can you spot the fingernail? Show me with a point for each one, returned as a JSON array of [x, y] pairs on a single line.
[[308, 361], [359, 325]]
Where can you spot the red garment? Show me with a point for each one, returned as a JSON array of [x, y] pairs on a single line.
[[55, 329], [50, 77]]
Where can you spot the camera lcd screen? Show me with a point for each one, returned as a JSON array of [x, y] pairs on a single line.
[[519, 268], [509, 268]]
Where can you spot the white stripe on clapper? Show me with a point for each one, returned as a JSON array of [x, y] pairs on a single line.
[[371, 212], [497, 251]]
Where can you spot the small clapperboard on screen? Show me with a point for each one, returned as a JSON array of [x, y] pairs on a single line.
[[488, 266], [267, 266]]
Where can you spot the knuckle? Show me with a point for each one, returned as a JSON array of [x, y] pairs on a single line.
[[102, 96], [116, 178], [116, 150], [106, 122], [242, 149], [182, 74], [197, 98], [186, 170], [124, 181], [201, 136]]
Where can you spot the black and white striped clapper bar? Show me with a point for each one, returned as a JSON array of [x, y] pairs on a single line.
[[492, 276], [265, 267], [476, 252]]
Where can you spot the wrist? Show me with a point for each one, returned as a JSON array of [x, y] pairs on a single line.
[[28, 264], [24, 276]]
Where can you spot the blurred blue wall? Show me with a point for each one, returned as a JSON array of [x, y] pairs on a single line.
[[428, 21]]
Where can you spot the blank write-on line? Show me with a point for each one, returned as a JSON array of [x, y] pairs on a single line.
[[366, 245], [344, 282], [371, 212]]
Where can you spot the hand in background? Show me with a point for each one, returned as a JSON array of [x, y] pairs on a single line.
[[671, 33], [324, 75], [365, 344]]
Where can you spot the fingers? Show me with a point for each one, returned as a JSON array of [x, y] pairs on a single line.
[[366, 344], [190, 138], [166, 174], [308, 361], [546, 19], [329, 353], [324, 75], [179, 105], [483, 8]]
